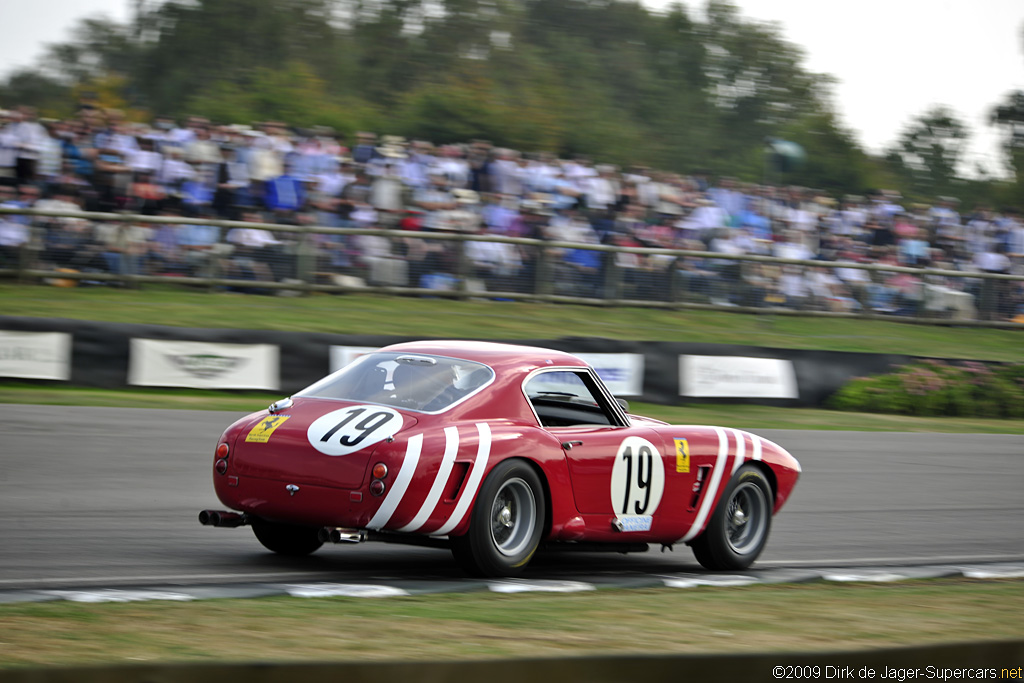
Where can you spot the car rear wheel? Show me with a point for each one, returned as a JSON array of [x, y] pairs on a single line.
[[287, 539], [506, 523], [738, 529]]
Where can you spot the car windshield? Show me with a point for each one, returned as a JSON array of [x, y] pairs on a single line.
[[415, 382]]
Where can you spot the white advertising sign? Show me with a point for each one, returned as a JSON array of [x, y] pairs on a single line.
[[203, 365], [622, 373], [35, 355], [343, 355], [736, 377]]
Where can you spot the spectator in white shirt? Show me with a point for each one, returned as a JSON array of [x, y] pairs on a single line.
[[29, 137]]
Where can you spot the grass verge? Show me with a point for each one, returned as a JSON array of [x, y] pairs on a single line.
[[742, 416], [795, 617], [485, 319]]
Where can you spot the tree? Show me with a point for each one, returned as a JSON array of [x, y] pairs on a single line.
[[929, 151], [834, 161], [609, 79], [1008, 116], [26, 86]]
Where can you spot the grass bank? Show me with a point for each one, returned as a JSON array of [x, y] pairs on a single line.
[[420, 317], [742, 416], [798, 617]]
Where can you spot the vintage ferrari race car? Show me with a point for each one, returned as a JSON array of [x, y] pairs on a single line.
[[492, 450]]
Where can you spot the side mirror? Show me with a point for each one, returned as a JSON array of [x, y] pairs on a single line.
[[622, 402]]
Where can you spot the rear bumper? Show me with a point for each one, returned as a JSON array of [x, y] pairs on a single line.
[[304, 504]]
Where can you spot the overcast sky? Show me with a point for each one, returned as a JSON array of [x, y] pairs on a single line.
[[893, 59]]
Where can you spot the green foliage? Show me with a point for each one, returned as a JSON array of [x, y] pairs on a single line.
[[30, 87], [833, 161], [933, 388], [609, 79], [292, 93], [929, 151], [1008, 117]]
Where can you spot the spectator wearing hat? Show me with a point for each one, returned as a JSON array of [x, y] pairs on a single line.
[[387, 193]]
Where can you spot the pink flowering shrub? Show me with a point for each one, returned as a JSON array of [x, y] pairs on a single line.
[[931, 387]]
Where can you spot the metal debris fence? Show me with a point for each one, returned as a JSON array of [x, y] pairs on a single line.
[[70, 248]]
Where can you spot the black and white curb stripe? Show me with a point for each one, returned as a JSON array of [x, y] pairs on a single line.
[[506, 586]]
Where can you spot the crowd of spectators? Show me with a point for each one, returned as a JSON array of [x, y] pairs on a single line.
[[271, 173]]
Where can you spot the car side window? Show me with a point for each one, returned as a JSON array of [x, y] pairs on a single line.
[[562, 398]]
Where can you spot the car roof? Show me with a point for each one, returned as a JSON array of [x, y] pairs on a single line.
[[501, 357]]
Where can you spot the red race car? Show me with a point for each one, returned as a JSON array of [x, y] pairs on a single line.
[[492, 450]]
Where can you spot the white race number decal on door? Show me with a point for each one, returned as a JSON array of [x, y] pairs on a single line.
[[638, 478]]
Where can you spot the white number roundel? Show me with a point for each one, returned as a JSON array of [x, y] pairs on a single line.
[[638, 478], [352, 429]]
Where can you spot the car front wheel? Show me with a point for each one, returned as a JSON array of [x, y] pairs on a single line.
[[287, 539], [738, 529], [506, 523]]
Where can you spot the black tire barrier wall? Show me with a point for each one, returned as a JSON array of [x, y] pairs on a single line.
[[100, 356], [947, 662]]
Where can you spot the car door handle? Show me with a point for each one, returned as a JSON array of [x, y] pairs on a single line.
[[567, 445]]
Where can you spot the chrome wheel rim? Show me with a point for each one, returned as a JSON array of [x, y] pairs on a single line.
[[746, 517], [513, 517]]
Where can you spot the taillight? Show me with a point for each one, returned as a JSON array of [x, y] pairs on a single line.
[[377, 485], [221, 465]]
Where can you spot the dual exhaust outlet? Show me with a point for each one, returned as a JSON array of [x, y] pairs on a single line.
[[226, 518]]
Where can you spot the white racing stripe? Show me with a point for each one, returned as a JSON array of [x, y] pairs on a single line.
[[475, 477], [451, 449], [741, 449], [712, 490], [757, 446], [398, 489]]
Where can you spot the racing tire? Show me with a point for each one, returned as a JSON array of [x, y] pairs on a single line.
[[738, 529], [287, 539], [506, 523]]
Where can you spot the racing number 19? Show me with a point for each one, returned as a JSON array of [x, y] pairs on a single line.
[[643, 478], [365, 426]]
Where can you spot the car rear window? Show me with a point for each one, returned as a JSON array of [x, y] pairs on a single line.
[[410, 381]]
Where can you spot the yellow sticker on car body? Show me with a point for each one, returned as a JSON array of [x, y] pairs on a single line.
[[682, 456], [265, 427]]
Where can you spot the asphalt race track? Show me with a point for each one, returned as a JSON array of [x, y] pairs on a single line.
[[108, 497]]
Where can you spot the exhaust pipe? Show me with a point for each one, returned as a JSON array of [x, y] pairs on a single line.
[[222, 518], [340, 535]]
